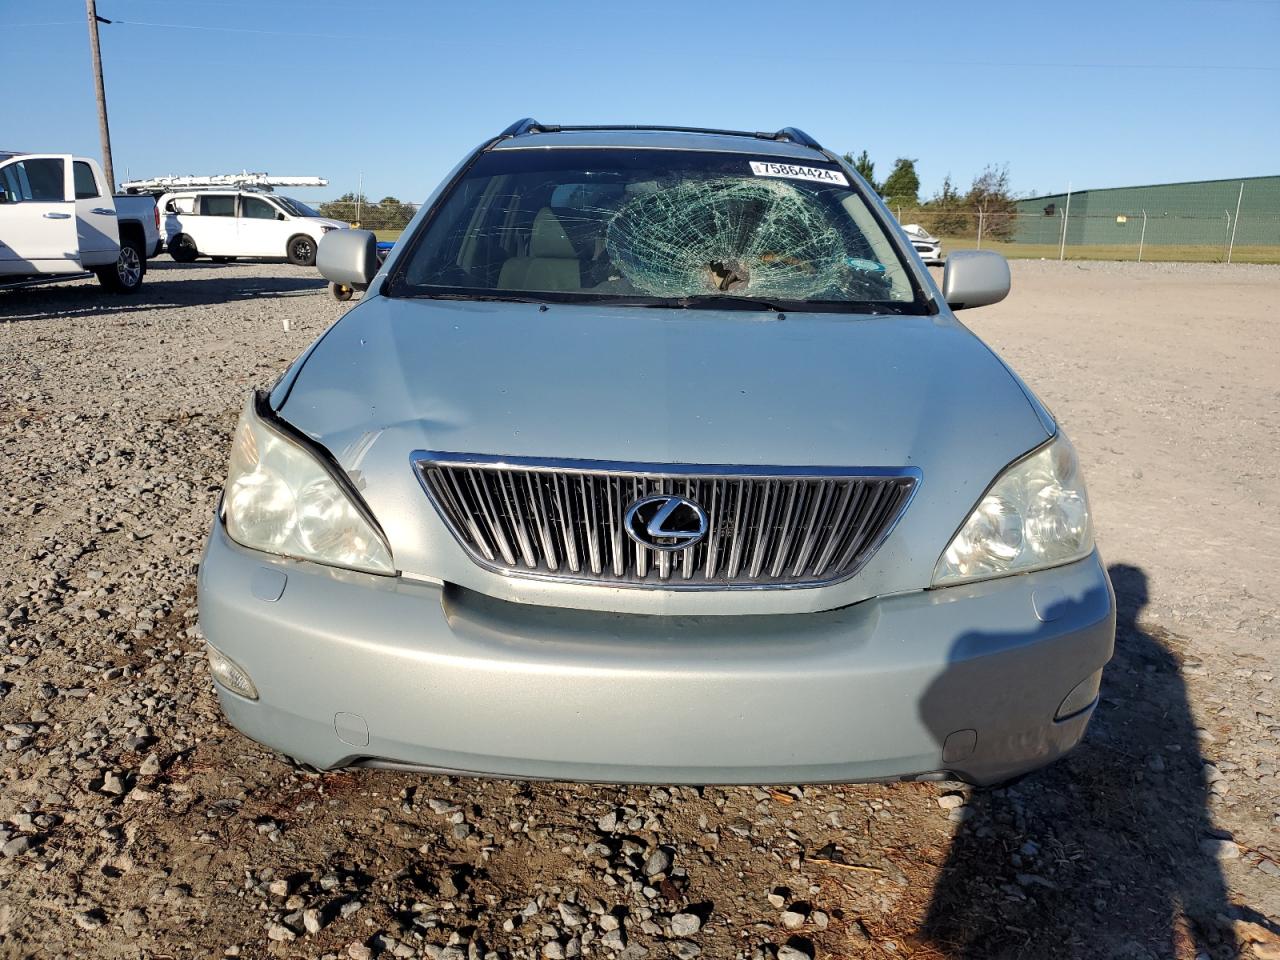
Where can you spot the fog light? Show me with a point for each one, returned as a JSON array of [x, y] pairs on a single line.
[[229, 674], [1085, 692]]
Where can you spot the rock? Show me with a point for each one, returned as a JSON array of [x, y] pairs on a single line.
[[358, 951], [614, 939], [949, 801], [778, 898], [658, 862], [792, 920], [684, 950], [349, 909], [90, 919], [1219, 848], [685, 924], [18, 845], [795, 950], [312, 920], [112, 783], [553, 950], [572, 914], [278, 931], [150, 766]]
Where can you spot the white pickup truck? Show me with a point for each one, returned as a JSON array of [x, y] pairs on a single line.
[[60, 221]]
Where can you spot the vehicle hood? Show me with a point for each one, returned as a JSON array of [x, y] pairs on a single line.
[[660, 386]]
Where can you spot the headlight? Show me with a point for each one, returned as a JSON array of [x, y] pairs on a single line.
[[1035, 515], [281, 499]]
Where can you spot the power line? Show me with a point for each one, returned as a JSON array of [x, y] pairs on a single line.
[[265, 33]]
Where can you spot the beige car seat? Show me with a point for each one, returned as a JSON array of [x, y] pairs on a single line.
[[551, 264]]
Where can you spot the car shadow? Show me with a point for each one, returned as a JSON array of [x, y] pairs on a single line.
[[1103, 853], [88, 299]]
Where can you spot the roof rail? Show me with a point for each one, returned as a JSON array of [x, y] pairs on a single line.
[[793, 134], [524, 125], [796, 135]]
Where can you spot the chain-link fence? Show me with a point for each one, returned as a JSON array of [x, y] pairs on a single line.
[[386, 218], [1141, 235], [1236, 221]]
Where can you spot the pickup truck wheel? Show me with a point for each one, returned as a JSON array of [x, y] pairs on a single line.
[[301, 251], [340, 292], [183, 249], [125, 275]]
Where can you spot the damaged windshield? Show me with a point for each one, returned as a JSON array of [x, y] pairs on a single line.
[[659, 227]]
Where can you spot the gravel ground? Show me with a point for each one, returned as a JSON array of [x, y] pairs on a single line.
[[135, 823]]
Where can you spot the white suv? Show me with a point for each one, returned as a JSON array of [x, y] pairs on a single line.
[[225, 224]]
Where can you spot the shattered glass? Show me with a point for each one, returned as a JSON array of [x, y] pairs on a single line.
[[654, 225], [763, 238]]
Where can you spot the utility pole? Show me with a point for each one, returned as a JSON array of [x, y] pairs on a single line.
[[104, 132]]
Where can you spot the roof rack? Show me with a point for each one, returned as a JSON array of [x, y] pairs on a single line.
[[255, 182], [793, 134]]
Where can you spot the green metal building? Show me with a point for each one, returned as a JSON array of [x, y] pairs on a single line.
[[1196, 212]]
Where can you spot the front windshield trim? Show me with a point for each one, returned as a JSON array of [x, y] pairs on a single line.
[[396, 285]]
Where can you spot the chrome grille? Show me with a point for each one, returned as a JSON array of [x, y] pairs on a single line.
[[767, 526]]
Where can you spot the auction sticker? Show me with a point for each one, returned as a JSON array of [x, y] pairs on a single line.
[[765, 168]]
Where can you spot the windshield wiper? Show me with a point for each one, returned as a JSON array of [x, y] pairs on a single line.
[[726, 301], [486, 297]]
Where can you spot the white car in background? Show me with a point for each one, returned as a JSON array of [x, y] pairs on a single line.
[[225, 224], [927, 245]]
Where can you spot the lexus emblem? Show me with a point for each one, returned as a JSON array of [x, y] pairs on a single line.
[[666, 522]]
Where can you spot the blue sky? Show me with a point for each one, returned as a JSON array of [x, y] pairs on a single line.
[[1095, 93]]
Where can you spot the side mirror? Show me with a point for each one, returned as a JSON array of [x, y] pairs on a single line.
[[281, 216], [974, 278], [348, 257]]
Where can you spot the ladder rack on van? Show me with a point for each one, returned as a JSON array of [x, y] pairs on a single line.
[[236, 181]]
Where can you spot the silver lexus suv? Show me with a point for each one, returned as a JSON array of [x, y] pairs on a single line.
[[654, 454]]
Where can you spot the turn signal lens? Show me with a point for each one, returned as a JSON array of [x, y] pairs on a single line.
[[229, 674]]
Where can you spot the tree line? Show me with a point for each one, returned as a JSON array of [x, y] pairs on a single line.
[[385, 214], [948, 212]]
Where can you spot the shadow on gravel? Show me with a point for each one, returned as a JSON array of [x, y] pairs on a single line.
[[1099, 855], [88, 299]]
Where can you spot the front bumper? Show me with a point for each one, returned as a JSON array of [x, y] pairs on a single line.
[[352, 668]]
